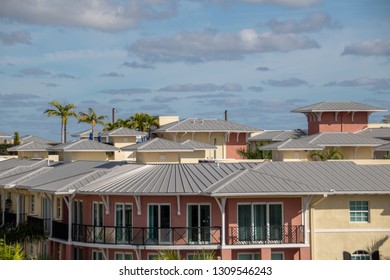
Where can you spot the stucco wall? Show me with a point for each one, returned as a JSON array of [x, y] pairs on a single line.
[[98, 156]]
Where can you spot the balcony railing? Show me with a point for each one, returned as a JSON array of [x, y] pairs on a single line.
[[139, 235], [266, 235]]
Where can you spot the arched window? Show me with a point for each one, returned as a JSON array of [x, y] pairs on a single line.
[[360, 255]]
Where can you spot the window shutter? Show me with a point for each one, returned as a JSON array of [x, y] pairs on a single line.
[[346, 256], [375, 255]]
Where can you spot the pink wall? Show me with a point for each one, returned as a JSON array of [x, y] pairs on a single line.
[[344, 122], [233, 145]]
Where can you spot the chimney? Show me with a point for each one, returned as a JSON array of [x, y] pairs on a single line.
[[113, 115], [226, 115]]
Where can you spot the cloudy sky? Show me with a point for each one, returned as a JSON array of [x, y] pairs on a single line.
[[258, 59]]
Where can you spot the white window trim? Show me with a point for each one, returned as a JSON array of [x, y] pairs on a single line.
[[267, 204], [123, 255], [359, 211], [97, 252], [277, 252], [159, 220], [248, 253]]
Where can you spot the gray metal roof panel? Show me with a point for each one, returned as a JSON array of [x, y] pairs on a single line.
[[123, 131], [198, 145], [86, 133], [338, 106], [84, 145], [342, 139], [157, 144], [291, 145], [276, 135], [205, 125], [4, 135], [30, 146], [385, 147], [380, 132], [11, 163], [36, 139]]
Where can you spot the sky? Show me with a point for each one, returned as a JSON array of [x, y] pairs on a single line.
[[258, 59]]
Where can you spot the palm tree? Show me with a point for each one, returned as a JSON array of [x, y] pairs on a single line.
[[92, 118], [329, 153], [11, 252], [64, 112], [119, 123], [143, 121]]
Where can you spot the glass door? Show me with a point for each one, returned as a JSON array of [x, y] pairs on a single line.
[[159, 223], [123, 222], [97, 218], [275, 222], [199, 223]]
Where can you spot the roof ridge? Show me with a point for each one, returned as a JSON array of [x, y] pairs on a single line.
[[32, 173], [230, 178]]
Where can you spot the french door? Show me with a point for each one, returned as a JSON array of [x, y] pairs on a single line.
[[198, 217], [97, 220], [123, 222], [159, 223], [260, 222]]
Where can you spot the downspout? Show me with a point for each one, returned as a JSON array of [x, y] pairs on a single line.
[[312, 226]]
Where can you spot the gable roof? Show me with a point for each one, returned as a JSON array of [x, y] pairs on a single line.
[[158, 145], [85, 133], [30, 146], [195, 145], [385, 147], [4, 135], [343, 139], [123, 131], [205, 125], [338, 106], [291, 145], [83, 145], [31, 138]]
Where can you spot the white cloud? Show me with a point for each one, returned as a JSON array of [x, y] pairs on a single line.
[[287, 3], [104, 15], [196, 47], [313, 23], [380, 47], [204, 87], [291, 82]]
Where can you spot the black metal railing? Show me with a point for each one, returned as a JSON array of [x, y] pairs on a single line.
[[36, 225], [60, 230], [266, 235], [146, 235]]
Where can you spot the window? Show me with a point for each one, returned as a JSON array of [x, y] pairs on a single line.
[[260, 222], [360, 255], [123, 256], [277, 256], [96, 255], [32, 209], [123, 222], [152, 256], [159, 221], [248, 256], [198, 220], [358, 211], [77, 253]]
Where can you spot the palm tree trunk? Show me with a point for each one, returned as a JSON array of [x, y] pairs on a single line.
[[65, 131], [62, 132]]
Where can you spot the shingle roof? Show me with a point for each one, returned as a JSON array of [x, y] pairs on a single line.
[[123, 131], [156, 145], [338, 106], [30, 146], [276, 135], [205, 125], [380, 132], [198, 145], [83, 145]]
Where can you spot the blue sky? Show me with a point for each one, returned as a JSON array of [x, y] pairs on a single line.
[[258, 59]]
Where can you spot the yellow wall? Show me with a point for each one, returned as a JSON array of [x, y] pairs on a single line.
[[203, 138], [98, 156], [332, 232], [122, 141], [157, 157], [359, 153], [162, 120], [37, 154], [289, 155]]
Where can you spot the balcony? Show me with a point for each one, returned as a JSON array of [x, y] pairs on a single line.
[[139, 235], [266, 235]]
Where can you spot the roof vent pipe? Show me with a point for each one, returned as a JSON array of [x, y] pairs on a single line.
[[113, 115], [226, 115]]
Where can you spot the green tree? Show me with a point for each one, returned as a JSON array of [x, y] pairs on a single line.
[[119, 123], [16, 138], [329, 153], [255, 153], [92, 118], [64, 111], [168, 255]]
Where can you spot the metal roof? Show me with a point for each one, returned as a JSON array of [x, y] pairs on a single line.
[[6, 165], [292, 178], [276, 135], [84, 145], [342, 139], [86, 133], [380, 132], [16, 173], [123, 131], [156, 145], [338, 106], [198, 145], [30, 146], [166, 179], [205, 125], [69, 176], [291, 145], [4, 135], [31, 138], [385, 147]]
